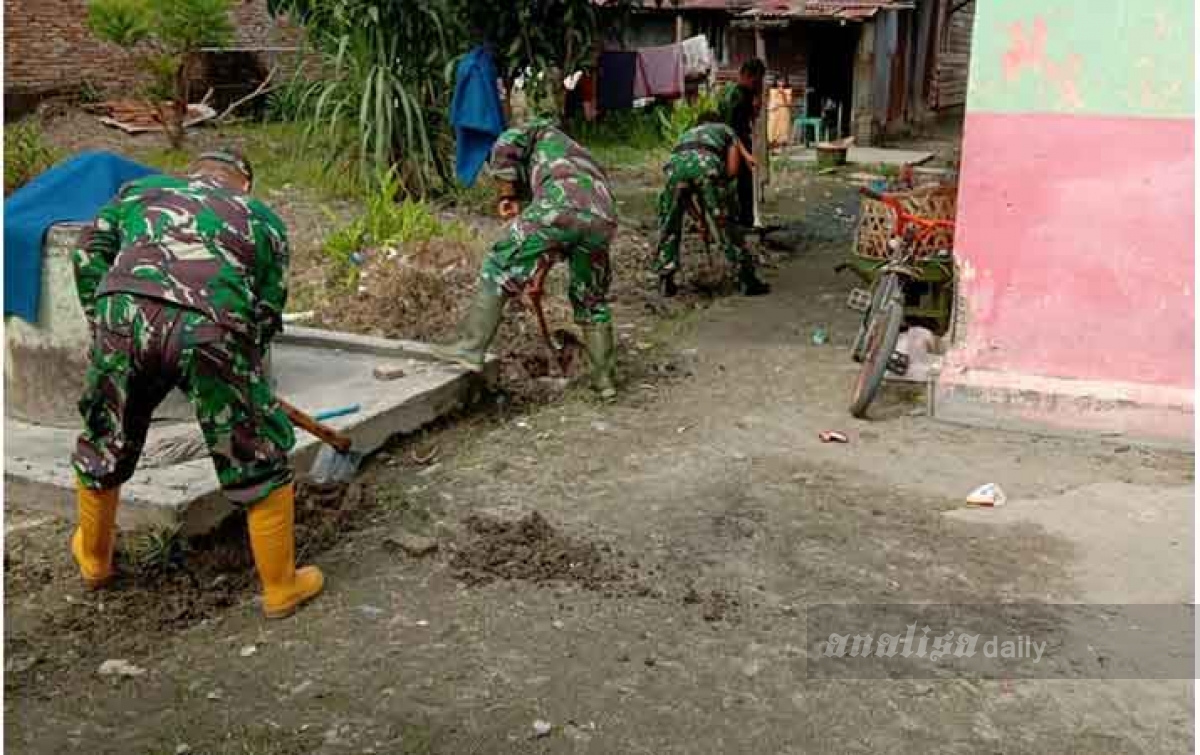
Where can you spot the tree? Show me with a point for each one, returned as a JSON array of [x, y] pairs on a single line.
[[388, 65], [164, 37], [546, 37], [385, 84]]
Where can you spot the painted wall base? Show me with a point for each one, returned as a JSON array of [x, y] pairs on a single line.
[[1141, 413]]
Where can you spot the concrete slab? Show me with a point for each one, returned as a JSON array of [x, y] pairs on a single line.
[[868, 156], [315, 370]]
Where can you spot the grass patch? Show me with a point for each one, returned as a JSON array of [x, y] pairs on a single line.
[[281, 156], [628, 139]]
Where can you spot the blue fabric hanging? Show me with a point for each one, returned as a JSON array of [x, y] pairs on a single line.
[[71, 192], [475, 113]]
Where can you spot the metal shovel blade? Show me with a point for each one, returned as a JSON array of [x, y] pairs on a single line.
[[332, 466]]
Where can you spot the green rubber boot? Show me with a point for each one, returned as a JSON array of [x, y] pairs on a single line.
[[602, 353], [478, 330]]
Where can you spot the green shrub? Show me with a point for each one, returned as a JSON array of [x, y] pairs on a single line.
[[386, 221], [632, 129], [27, 154], [682, 116]]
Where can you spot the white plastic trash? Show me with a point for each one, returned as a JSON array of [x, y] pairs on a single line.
[[990, 495]]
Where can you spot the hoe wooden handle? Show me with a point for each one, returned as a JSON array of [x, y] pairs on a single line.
[[327, 434]]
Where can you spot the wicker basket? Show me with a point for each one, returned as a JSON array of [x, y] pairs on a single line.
[[876, 221]]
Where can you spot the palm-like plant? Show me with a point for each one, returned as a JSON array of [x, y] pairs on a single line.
[[384, 91]]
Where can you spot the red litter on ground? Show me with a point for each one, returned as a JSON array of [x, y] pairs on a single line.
[[833, 436]]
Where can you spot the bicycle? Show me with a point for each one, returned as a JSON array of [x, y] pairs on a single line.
[[884, 305]]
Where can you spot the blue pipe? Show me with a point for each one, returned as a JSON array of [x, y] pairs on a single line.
[[334, 413]]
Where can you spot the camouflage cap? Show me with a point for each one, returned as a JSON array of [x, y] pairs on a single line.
[[230, 156]]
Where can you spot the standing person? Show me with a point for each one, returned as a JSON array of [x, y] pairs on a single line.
[[570, 215], [184, 281], [699, 170], [740, 103]]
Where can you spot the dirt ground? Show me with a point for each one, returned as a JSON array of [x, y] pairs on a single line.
[[635, 576]]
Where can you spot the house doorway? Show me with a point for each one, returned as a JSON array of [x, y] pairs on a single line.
[[832, 48]]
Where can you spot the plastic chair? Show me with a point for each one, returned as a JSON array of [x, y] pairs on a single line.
[[802, 123]]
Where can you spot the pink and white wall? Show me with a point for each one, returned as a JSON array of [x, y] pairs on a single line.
[[1075, 226]]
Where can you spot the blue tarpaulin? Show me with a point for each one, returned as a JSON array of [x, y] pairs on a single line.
[[476, 113], [72, 191]]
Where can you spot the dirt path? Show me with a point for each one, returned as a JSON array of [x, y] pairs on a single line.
[[660, 606]]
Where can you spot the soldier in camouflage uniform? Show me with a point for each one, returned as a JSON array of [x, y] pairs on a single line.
[[184, 281], [698, 171], [570, 215]]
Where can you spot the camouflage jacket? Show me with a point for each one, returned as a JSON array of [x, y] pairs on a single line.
[[551, 165], [736, 106], [702, 152], [193, 243]]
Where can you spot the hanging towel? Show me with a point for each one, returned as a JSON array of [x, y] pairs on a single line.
[[660, 72], [618, 70], [475, 113], [697, 56], [72, 191]]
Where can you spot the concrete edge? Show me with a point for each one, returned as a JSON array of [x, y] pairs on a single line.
[[374, 345], [1147, 415]]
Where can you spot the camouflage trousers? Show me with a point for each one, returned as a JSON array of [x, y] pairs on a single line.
[[545, 232], [712, 198], [142, 349]]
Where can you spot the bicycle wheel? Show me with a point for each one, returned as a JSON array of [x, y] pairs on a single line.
[[883, 331], [860, 340], [879, 292]]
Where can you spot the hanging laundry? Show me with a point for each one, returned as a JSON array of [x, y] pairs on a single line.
[[587, 95], [779, 116], [476, 113], [618, 72], [660, 72], [697, 56]]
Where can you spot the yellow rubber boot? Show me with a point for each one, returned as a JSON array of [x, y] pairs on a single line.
[[273, 541], [95, 537]]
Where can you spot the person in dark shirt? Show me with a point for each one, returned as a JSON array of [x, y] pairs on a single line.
[[740, 104]]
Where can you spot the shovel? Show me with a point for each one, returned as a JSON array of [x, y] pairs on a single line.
[[335, 462], [533, 293]]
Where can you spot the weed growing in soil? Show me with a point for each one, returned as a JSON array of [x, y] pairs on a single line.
[[26, 154], [158, 550], [386, 222]]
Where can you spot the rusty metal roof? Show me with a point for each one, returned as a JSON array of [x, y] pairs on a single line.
[[798, 9], [854, 9]]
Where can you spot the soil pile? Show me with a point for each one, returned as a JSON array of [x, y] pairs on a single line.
[[418, 293], [532, 550]]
